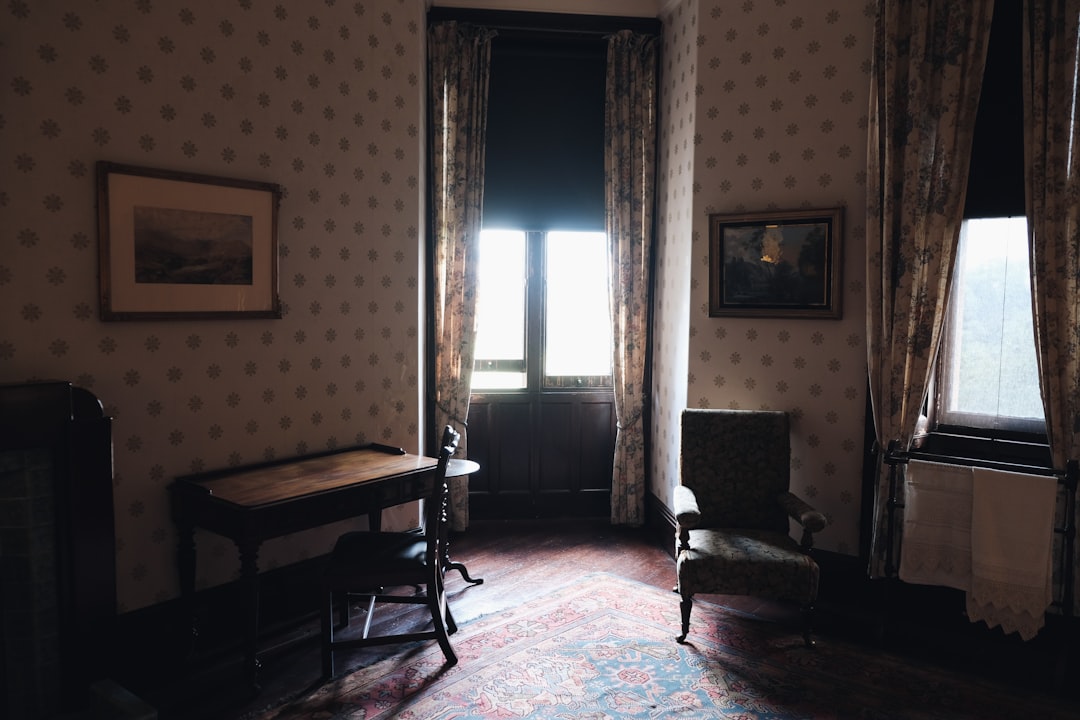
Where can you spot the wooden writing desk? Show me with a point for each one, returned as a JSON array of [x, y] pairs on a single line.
[[254, 503]]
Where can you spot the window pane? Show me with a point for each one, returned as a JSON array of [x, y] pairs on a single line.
[[991, 377], [577, 329], [500, 311]]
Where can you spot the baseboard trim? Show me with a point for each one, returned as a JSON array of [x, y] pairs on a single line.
[[167, 636]]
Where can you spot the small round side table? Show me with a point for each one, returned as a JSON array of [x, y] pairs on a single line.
[[459, 468]]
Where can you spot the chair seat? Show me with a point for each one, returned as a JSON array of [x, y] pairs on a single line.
[[747, 562], [371, 563], [392, 557]]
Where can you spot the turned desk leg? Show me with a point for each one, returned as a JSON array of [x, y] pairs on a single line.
[[185, 561], [249, 581]]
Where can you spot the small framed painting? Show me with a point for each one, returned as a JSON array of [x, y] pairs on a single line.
[[775, 264], [177, 245]]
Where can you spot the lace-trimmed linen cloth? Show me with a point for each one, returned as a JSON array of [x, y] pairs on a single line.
[[937, 525], [989, 533], [1012, 533]]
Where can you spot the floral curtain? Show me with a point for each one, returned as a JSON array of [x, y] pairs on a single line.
[[630, 159], [1052, 152], [929, 57], [458, 67]]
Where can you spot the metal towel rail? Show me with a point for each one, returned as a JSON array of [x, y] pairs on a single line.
[[1068, 478]]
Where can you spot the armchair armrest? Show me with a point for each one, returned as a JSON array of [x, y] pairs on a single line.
[[803, 513], [687, 514], [686, 507]]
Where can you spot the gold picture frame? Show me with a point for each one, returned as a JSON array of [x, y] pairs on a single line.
[[784, 264], [175, 245]]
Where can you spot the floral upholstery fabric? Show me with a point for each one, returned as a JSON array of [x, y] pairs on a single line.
[[748, 562], [733, 508], [736, 463]]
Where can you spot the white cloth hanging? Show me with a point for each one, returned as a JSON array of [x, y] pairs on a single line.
[[1012, 534], [937, 525]]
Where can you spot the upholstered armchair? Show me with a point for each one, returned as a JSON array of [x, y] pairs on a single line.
[[733, 507]]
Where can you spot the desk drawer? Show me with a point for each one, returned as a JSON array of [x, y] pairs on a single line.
[[407, 489]]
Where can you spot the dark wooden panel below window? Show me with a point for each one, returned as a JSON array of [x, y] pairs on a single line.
[[545, 456]]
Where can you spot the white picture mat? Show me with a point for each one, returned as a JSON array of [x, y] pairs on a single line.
[[128, 191]]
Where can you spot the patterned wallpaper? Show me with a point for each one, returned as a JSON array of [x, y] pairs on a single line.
[[779, 121], [324, 98], [675, 224], [764, 105]]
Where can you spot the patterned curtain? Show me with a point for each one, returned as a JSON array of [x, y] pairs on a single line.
[[929, 57], [630, 159], [1052, 150], [458, 63]]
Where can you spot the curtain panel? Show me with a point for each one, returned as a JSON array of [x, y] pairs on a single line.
[[630, 161], [1051, 44], [929, 57], [459, 58]]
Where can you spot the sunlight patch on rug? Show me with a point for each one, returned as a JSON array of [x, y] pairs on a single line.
[[604, 647]]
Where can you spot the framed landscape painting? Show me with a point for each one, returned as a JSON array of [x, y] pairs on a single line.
[[185, 246], [775, 264]]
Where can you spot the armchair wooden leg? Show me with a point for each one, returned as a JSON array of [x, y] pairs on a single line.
[[685, 606], [808, 625]]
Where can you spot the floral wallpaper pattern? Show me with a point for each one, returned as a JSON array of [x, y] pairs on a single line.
[[778, 121], [674, 223], [324, 98], [763, 105]]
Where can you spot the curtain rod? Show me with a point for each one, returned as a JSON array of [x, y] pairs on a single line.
[[541, 22]]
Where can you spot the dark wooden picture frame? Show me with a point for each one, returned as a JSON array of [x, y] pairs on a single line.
[[776, 264], [174, 245]]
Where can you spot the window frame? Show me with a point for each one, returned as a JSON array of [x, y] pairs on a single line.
[[973, 444], [999, 426], [536, 378]]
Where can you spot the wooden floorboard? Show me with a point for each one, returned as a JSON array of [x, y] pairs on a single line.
[[518, 560]]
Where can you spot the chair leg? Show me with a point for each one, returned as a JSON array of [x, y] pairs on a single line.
[[685, 606], [451, 624], [808, 625], [367, 618], [326, 620], [343, 609], [440, 628]]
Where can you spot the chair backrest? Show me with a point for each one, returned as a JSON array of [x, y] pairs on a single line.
[[435, 505], [737, 462]]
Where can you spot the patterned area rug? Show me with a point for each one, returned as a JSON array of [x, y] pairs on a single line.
[[604, 647]]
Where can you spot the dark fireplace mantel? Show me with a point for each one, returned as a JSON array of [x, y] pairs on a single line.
[[57, 547]]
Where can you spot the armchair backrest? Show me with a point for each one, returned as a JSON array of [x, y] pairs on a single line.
[[737, 462]]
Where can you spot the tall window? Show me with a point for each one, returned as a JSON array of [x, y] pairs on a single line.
[[556, 328], [987, 380], [542, 293], [989, 377]]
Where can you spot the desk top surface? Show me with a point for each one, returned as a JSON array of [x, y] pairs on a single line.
[[265, 485]]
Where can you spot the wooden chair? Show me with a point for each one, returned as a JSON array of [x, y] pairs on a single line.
[[732, 508], [368, 563]]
